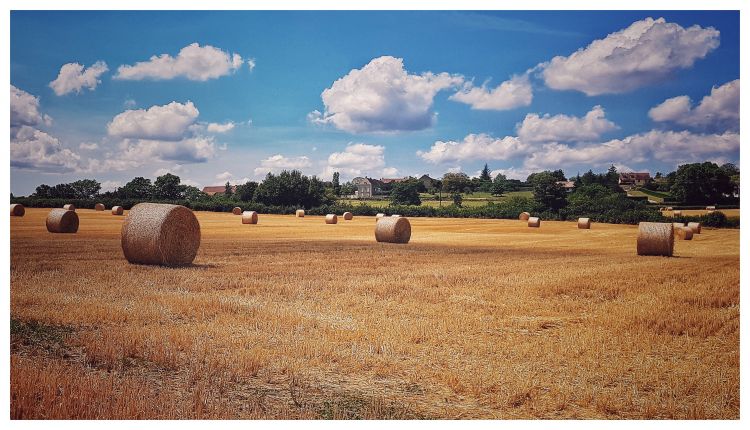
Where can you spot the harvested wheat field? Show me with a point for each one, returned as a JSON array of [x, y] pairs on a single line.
[[293, 318]]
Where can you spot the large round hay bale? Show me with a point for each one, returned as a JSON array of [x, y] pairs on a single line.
[[524, 216], [17, 209], [99, 207], [300, 213], [249, 217], [332, 219], [380, 215], [695, 226], [117, 210], [684, 233], [348, 216], [676, 213], [69, 207], [62, 221], [393, 230], [236, 210], [162, 234], [534, 221], [584, 223], [655, 238]]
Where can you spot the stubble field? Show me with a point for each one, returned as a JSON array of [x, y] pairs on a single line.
[[293, 318]]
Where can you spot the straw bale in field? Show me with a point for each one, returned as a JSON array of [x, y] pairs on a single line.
[[99, 207], [524, 216], [393, 230], [161, 234], [534, 221], [655, 238], [584, 223], [17, 209], [696, 226], [332, 219], [236, 210], [300, 213], [249, 217], [348, 216], [117, 210], [62, 221], [69, 207]]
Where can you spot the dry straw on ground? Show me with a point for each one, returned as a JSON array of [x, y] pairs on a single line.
[[237, 210], [524, 216], [62, 221], [332, 219], [161, 234], [117, 210], [249, 217], [684, 233], [695, 226], [99, 207], [584, 223], [69, 207], [655, 238], [393, 230], [300, 213], [348, 216], [534, 221], [17, 209]]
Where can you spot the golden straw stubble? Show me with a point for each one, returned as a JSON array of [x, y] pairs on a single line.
[[161, 234], [393, 230], [655, 238], [62, 221]]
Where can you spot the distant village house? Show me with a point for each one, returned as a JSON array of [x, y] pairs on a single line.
[[219, 189], [631, 178]]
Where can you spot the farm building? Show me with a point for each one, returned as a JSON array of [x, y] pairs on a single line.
[[218, 189], [568, 185], [631, 178]]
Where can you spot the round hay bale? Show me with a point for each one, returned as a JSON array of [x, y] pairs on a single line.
[[684, 233], [348, 216], [534, 221], [17, 209], [99, 207], [676, 213], [117, 210], [678, 224], [162, 234], [69, 207], [380, 215], [332, 219], [695, 226], [236, 210], [62, 221], [249, 217], [655, 238], [393, 230], [524, 216], [584, 223], [300, 213], [669, 208]]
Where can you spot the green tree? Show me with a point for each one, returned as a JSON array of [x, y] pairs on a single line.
[[167, 187], [193, 194], [455, 182], [458, 200], [701, 183], [406, 193], [63, 191], [86, 188], [246, 191], [43, 191], [336, 184], [548, 192], [558, 175], [485, 180], [290, 189], [227, 189], [137, 188], [498, 184]]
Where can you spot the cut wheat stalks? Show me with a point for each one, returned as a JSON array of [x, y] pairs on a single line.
[[348, 216], [695, 226], [584, 223], [117, 210], [17, 209], [524, 216], [62, 221], [393, 230], [332, 219], [249, 217], [534, 221], [99, 207], [655, 238], [161, 234]]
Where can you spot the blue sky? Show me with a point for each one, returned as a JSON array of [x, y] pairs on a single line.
[[233, 95]]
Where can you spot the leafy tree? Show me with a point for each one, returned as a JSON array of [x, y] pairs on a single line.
[[485, 180], [498, 184], [336, 184], [455, 182], [458, 200], [137, 188], [548, 192], [193, 194], [406, 193], [43, 191], [227, 189], [700, 183], [86, 188], [290, 189], [347, 189], [246, 191], [63, 191], [485, 175], [558, 175], [167, 187]]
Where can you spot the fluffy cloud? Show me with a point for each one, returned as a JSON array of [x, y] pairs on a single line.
[[718, 110], [564, 128], [475, 146], [358, 159], [24, 109], [88, 146], [194, 62], [176, 169], [196, 149], [382, 97], [36, 150], [110, 185], [224, 176], [510, 94], [168, 122], [645, 52], [220, 128], [520, 173], [74, 77], [277, 163]]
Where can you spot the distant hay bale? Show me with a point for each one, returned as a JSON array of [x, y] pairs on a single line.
[[17, 209], [677, 213], [695, 226], [99, 207], [534, 221], [300, 213], [393, 230], [395, 216], [62, 221], [669, 208], [710, 208], [249, 217], [348, 216], [655, 238], [380, 215], [684, 233], [236, 210], [332, 219], [69, 207], [117, 210], [162, 234], [678, 224], [584, 223], [524, 216]]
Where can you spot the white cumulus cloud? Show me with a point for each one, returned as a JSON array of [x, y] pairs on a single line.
[[75, 77], [214, 127], [564, 127], [473, 147], [33, 149], [382, 97], [168, 122], [718, 110], [645, 52], [510, 94], [24, 109], [194, 62], [277, 163]]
